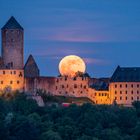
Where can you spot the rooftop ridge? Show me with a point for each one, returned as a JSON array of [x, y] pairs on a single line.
[[12, 24]]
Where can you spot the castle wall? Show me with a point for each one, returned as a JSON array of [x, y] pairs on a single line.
[[12, 48], [13, 79], [99, 96], [62, 86], [124, 92], [67, 86]]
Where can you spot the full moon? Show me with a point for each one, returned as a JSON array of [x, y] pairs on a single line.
[[70, 65]]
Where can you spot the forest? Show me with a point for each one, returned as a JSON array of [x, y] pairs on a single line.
[[23, 119]]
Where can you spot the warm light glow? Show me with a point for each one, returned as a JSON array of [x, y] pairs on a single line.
[[70, 65]]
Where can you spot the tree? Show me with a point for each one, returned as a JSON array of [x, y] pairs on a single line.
[[50, 135]]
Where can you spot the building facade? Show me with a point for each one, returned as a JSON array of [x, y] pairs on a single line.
[[122, 88]]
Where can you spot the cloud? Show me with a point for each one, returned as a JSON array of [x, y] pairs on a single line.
[[95, 61]]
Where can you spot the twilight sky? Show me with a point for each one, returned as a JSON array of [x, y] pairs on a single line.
[[105, 33]]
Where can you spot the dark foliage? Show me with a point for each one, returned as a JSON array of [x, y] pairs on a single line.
[[23, 119]]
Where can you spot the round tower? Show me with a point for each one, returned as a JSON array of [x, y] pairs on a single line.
[[12, 44]]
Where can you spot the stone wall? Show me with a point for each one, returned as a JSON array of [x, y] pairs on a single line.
[[12, 48], [124, 92], [13, 79]]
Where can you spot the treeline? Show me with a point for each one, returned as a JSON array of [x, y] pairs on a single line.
[[23, 119]]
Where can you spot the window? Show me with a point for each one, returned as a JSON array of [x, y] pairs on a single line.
[[95, 93], [20, 74], [115, 86], [62, 86], [81, 85], [126, 85], [17, 82], [102, 94], [132, 85], [67, 86], [3, 72], [137, 92], [126, 91], [132, 92], [120, 86], [99, 94], [121, 98], [126, 97], [115, 92], [131, 98], [11, 82], [11, 72], [74, 78], [75, 86], [1, 82], [84, 87], [82, 92], [120, 92], [137, 97], [14, 72], [138, 85], [115, 98], [65, 78]]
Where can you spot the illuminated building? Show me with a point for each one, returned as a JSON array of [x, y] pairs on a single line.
[[122, 88]]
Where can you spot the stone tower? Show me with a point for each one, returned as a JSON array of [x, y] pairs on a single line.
[[31, 69], [12, 44]]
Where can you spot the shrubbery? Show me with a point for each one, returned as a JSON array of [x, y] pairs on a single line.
[[23, 119]]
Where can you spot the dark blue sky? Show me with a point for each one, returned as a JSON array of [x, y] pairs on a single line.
[[106, 33]]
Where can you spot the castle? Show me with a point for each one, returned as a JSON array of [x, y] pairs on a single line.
[[123, 87]]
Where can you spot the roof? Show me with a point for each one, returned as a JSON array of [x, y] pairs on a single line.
[[126, 74], [31, 69], [12, 24], [99, 84]]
